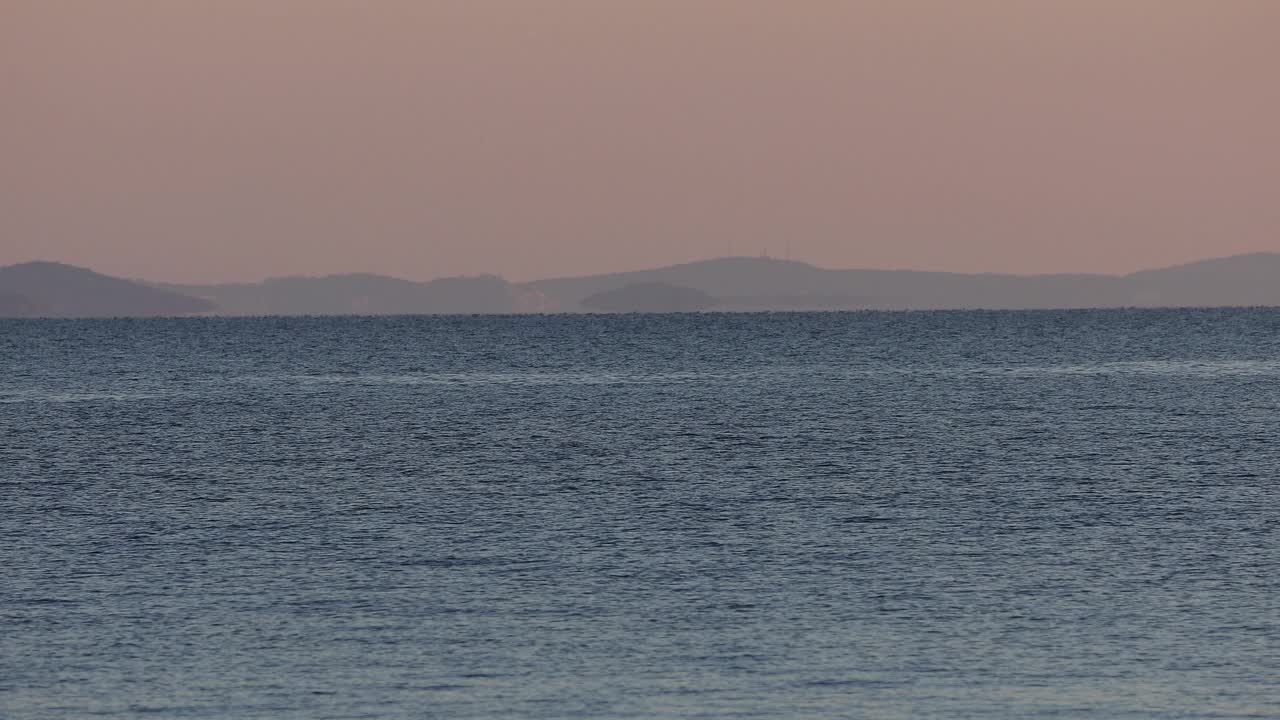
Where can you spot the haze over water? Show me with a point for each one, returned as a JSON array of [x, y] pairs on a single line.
[[888, 515]]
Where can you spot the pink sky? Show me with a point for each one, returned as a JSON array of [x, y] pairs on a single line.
[[212, 140]]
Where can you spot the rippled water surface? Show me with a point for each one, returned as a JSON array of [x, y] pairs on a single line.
[[882, 515]]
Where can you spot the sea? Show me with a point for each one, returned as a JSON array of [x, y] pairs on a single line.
[[1041, 514]]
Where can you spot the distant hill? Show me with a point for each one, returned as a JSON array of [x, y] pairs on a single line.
[[729, 284], [649, 297], [1240, 280], [14, 305], [45, 289], [359, 294], [769, 284]]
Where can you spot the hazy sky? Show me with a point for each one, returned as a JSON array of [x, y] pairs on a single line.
[[234, 139]]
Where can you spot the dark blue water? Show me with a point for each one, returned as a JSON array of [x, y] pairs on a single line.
[[882, 515]]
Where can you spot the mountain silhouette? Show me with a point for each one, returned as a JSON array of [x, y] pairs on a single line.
[[729, 284], [14, 305], [1240, 280], [743, 283], [751, 284], [649, 297], [46, 289], [359, 294]]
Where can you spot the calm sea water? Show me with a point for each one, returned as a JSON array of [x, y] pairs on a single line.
[[882, 515]]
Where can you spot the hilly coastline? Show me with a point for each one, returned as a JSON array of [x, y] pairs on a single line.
[[56, 290], [766, 284], [358, 294], [731, 284]]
